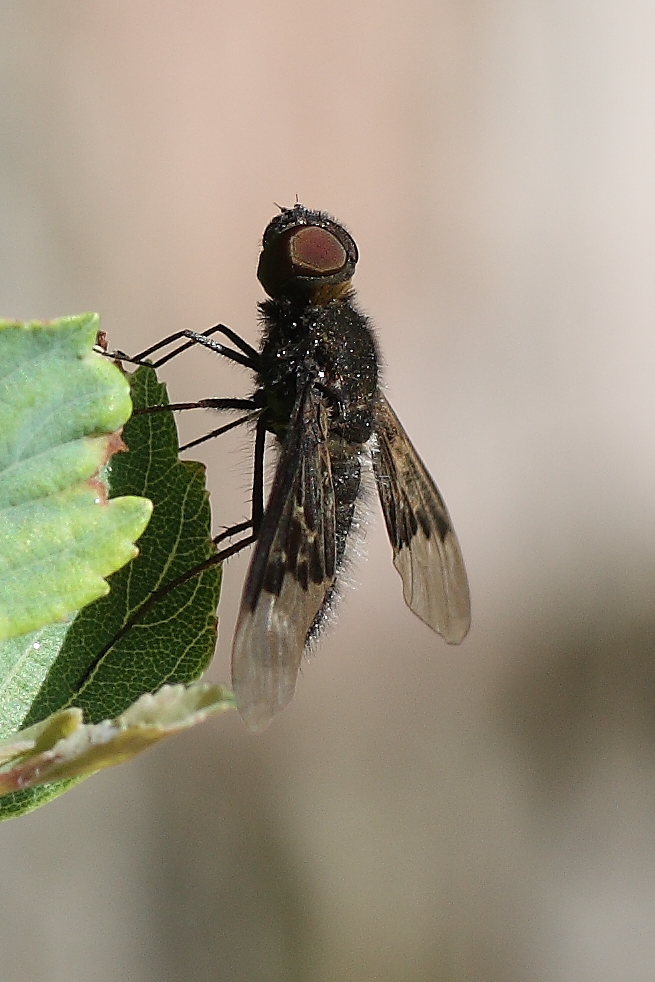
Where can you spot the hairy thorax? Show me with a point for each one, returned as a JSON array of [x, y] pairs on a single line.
[[332, 344]]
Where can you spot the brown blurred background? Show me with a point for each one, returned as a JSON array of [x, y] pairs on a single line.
[[420, 813]]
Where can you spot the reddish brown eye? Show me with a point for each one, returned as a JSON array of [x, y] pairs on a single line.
[[306, 254], [316, 251]]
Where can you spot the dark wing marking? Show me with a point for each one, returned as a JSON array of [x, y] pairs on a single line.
[[292, 569], [426, 552]]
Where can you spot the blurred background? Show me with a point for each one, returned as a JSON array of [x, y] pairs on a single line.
[[420, 812]]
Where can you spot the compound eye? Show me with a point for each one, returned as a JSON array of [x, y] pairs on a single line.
[[304, 259], [316, 252]]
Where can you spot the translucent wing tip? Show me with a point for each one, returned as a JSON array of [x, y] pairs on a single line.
[[456, 630], [256, 715], [440, 601], [265, 664], [260, 693]]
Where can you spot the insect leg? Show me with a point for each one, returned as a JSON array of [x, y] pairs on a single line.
[[217, 432], [232, 530], [255, 520], [247, 355], [253, 404], [247, 360], [200, 404], [194, 338]]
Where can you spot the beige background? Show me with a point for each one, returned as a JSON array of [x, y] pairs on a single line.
[[420, 813]]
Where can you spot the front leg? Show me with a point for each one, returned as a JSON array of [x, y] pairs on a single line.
[[246, 355]]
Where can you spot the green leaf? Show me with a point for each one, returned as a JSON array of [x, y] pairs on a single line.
[[126, 643], [62, 748], [60, 405]]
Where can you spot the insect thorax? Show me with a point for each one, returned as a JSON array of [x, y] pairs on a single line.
[[334, 345]]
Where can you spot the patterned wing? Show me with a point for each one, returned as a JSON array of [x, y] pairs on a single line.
[[426, 552], [292, 569]]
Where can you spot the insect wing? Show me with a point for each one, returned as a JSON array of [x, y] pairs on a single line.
[[291, 570], [426, 552]]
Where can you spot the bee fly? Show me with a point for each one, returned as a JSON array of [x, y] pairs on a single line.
[[317, 390]]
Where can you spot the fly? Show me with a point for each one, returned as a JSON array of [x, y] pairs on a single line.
[[317, 391]]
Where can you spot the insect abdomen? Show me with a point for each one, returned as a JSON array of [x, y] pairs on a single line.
[[346, 479]]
